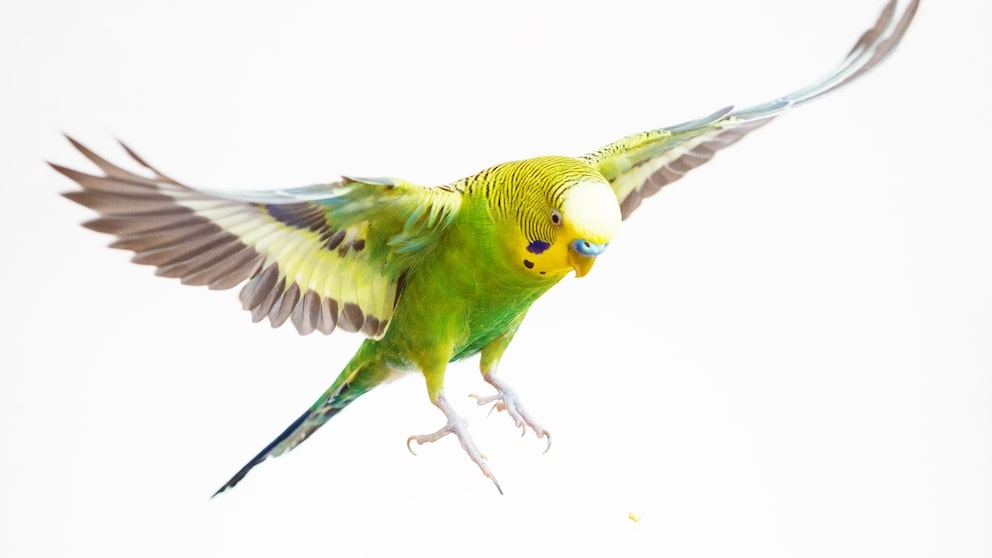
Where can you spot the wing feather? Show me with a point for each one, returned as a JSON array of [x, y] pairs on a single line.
[[305, 255], [640, 165]]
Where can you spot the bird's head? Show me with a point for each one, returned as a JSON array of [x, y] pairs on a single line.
[[565, 217]]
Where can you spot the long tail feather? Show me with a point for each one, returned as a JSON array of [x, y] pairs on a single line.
[[298, 432], [265, 453], [345, 389]]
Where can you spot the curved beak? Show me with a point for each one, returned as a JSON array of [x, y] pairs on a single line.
[[582, 254]]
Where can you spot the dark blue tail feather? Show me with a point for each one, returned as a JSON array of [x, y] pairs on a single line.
[[262, 455]]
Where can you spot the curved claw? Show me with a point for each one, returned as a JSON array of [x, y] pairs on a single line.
[[457, 426], [480, 401], [506, 399], [452, 427], [483, 399], [496, 482]]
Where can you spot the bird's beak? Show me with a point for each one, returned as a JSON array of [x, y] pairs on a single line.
[[582, 254]]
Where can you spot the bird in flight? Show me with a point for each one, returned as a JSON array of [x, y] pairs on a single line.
[[430, 275]]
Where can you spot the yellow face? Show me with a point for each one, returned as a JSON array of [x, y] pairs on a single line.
[[571, 229]]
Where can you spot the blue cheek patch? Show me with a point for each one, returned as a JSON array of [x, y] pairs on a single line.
[[537, 246]]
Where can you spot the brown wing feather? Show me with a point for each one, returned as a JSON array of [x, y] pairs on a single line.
[[188, 235]]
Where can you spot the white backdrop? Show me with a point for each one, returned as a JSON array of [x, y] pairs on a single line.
[[785, 354]]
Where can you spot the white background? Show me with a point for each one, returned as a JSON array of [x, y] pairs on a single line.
[[785, 354]]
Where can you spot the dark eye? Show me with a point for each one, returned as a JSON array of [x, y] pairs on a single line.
[[555, 217]]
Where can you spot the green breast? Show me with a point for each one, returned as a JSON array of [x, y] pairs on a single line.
[[466, 294]]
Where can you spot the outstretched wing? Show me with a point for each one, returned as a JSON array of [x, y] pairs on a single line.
[[639, 165], [323, 256]]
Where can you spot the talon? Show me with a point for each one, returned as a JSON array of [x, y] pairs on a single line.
[[506, 400], [483, 400], [457, 426]]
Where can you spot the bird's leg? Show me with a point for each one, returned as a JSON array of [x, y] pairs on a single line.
[[433, 369], [456, 425], [505, 398]]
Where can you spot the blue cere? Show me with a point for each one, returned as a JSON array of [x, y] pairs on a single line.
[[537, 246], [587, 248]]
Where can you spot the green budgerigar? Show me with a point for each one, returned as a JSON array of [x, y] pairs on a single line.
[[430, 275]]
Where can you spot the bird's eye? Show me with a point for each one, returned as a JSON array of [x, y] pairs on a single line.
[[556, 217]]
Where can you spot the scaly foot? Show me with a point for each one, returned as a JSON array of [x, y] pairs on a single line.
[[506, 400], [457, 426]]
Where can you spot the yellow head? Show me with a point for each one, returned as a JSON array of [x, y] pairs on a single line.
[[561, 214]]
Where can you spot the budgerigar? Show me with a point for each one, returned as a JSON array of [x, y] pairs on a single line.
[[430, 275]]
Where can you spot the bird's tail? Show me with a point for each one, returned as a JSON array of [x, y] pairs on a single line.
[[345, 389]]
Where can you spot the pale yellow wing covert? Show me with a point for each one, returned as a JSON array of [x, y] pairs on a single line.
[[323, 257]]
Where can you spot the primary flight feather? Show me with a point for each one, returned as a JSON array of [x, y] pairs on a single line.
[[429, 275]]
